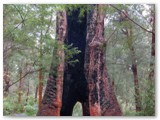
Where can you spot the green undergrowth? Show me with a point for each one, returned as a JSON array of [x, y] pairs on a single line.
[[11, 106]]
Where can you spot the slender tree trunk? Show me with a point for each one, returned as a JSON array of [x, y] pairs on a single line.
[[151, 84], [129, 34], [151, 74], [6, 78], [127, 90], [40, 76], [52, 100], [40, 89], [36, 92], [27, 92], [102, 99], [136, 82], [20, 87], [134, 67]]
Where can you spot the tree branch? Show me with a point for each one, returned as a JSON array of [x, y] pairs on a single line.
[[30, 72], [48, 28], [19, 13], [23, 19], [110, 35], [132, 20]]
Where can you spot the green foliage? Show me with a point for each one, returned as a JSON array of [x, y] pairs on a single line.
[[129, 113], [30, 100], [7, 107], [70, 52], [127, 106], [148, 102], [30, 110], [11, 106], [148, 99], [72, 7]]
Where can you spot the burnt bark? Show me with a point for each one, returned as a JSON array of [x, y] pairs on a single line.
[[87, 81], [52, 100], [102, 99], [75, 84]]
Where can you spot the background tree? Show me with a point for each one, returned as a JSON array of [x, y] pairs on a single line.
[[119, 59]]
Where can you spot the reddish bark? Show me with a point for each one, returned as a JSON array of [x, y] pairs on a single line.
[[85, 108], [52, 100], [102, 99]]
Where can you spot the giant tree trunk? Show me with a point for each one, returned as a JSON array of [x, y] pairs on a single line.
[[89, 83], [52, 100], [102, 99]]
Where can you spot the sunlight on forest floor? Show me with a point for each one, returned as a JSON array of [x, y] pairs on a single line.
[[77, 110]]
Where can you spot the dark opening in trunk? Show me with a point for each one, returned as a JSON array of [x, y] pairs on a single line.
[[75, 84]]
